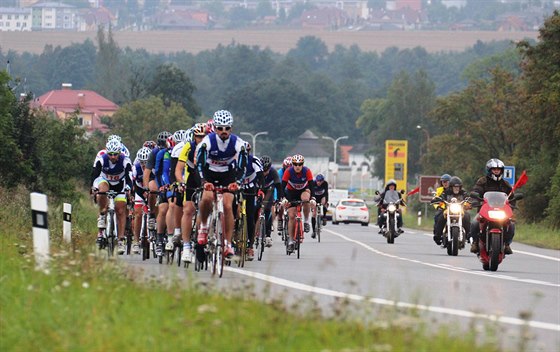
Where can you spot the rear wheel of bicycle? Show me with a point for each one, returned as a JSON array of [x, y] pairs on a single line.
[[110, 236], [318, 226]]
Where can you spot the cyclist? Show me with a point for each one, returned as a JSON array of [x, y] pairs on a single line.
[[112, 172], [180, 137], [139, 193], [280, 210], [321, 196], [272, 187], [440, 207], [188, 177], [150, 179], [297, 182], [251, 186], [221, 160]]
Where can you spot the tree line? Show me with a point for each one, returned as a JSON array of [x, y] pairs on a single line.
[[476, 104]]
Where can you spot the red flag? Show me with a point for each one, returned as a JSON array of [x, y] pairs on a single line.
[[521, 181], [416, 190]]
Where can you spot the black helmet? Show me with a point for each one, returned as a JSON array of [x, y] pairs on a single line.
[[455, 181], [162, 138], [265, 159]]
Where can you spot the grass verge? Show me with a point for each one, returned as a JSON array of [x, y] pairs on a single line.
[[84, 303]]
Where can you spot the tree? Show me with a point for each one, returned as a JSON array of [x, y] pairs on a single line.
[[310, 50], [108, 67], [173, 85], [143, 119], [264, 8]]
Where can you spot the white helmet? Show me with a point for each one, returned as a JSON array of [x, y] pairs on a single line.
[[495, 163], [113, 146], [114, 137], [180, 136], [223, 118], [143, 154]]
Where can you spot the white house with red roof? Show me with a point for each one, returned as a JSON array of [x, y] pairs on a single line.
[[86, 104]]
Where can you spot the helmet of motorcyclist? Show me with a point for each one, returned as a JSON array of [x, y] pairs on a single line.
[[298, 159], [287, 162], [455, 182], [495, 164], [267, 163], [320, 177], [444, 178], [113, 147], [223, 118], [391, 182], [143, 154], [180, 136], [162, 138], [149, 144]]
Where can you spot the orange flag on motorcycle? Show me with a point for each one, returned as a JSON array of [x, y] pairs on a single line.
[[521, 181], [416, 190]]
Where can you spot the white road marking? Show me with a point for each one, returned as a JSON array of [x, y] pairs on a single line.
[[445, 267], [381, 301]]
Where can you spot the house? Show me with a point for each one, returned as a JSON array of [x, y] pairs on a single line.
[[88, 105], [175, 19], [92, 18], [54, 16], [15, 19], [313, 149], [324, 18]]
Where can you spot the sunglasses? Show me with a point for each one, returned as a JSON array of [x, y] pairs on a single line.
[[297, 164], [114, 154], [223, 128]]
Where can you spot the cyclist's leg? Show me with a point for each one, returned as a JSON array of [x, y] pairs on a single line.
[[291, 222], [138, 205], [102, 198], [305, 197]]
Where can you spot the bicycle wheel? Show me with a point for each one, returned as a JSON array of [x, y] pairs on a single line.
[[144, 240], [220, 246], [110, 234], [318, 225], [128, 234], [262, 236], [298, 230], [242, 245]]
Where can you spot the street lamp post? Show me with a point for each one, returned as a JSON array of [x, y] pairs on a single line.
[[335, 142], [254, 137], [427, 138]]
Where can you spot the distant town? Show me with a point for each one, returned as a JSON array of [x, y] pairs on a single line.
[[331, 15]]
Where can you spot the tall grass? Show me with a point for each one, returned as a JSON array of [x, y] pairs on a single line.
[[85, 303]]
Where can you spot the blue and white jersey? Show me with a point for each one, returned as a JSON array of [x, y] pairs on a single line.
[[254, 165], [221, 155], [114, 172]]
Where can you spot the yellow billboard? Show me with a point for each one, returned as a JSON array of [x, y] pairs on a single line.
[[395, 162]]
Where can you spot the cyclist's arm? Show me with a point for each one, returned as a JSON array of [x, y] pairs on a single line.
[[201, 155], [127, 173], [96, 171], [278, 185], [326, 185]]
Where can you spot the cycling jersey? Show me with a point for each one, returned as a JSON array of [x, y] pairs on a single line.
[[162, 167], [297, 181], [272, 179], [320, 192], [113, 173], [221, 156], [253, 172]]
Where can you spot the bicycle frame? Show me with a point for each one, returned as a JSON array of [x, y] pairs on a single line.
[[216, 243]]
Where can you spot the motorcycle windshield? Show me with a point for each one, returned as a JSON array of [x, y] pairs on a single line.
[[495, 199]]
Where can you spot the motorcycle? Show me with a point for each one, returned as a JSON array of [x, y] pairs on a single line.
[[454, 234], [494, 217], [391, 214]]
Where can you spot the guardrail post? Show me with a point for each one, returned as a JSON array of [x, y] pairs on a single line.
[[40, 229], [419, 217], [67, 223]]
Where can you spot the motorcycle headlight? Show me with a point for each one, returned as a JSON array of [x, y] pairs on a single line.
[[497, 214], [455, 208], [391, 207]]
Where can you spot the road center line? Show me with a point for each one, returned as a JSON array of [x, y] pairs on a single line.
[[446, 267], [381, 301]]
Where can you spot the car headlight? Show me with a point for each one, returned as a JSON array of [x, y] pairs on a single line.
[[497, 214], [391, 208], [455, 208]]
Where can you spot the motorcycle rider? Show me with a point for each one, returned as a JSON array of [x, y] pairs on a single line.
[[455, 190], [440, 207], [390, 195], [492, 181]]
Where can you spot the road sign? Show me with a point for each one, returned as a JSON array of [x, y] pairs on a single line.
[[395, 162], [428, 186], [509, 174]]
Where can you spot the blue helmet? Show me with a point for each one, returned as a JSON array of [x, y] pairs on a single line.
[[320, 177]]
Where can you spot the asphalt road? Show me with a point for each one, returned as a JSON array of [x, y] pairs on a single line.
[[354, 271]]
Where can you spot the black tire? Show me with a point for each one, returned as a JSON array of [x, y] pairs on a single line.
[[299, 230], [495, 250], [391, 232], [453, 246], [178, 250], [262, 238], [365, 223], [318, 226], [110, 236], [334, 223]]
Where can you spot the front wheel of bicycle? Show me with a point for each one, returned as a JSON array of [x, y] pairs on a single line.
[[262, 237]]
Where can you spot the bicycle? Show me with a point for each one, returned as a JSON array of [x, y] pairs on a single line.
[[260, 235], [318, 221], [298, 229], [241, 233], [109, 234], [128, 234], [216, 243]]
